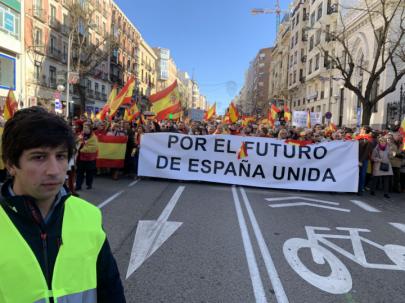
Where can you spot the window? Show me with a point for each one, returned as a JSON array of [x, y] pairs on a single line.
[[52, 76], [53, 14], [304, 14], [37, 36], [89, 85], [103, 89], [96, 85], [295, 57], [311, 43], [317, 62], [65, 19], [318, 37], [298, 18], [327, 33], [53, 44], [295, 76], [326, 62], [37, 70], [312, 19], [310, 67], [319, 12], [296, 38]]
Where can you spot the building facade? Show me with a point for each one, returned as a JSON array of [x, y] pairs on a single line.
[[11, 50]]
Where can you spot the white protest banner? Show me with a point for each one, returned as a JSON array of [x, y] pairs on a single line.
[[271, 163], [299, 118]]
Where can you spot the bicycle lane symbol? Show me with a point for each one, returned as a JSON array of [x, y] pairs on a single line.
[[339, 281]]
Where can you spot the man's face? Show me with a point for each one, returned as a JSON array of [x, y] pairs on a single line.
[[41, 173]]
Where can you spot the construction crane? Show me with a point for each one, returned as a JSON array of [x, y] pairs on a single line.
[[276, 10]]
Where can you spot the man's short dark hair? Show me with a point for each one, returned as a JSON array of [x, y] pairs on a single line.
[[32, 128]]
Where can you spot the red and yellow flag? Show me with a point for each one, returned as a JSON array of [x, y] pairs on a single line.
[[111, 151], [287, 113], [10, 106], [166, 102], [332, 127], [211, 112], [402, 128], [132, 113], [242, 153], [233, 113], [273, 115], [297, 142], [247, 119], [124, 97], [308, 119], [113, 94]]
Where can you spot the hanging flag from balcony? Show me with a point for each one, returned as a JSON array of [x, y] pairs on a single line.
[[211, 112], [233, 113], [10, 106], [124, 97], [166, 102]]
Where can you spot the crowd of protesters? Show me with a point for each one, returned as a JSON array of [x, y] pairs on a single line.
[[381, 152]]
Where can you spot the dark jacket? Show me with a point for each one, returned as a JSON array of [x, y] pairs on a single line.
[[45, 239]]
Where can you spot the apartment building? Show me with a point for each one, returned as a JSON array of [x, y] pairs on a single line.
[[47, 31], [278, 78], [298, 54], [185, 88], [11, 50], [125, 58], [147, 73]]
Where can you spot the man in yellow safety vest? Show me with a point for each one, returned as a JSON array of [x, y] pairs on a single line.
[[53, 247]]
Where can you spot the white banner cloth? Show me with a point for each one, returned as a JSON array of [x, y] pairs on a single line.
[[271, 163]]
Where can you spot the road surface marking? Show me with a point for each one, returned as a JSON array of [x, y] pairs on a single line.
[[250, 256], [150, 235], [302, 198], [102, 204], [309, 204], [268, 261], [399, 226], [365, 206], [133, 183]]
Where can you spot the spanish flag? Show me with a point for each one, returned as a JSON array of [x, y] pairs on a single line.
[[211, 112], [242, 153], [308, 119], [113, 94], [124, 97], [166, 102], [297, 142], [10, 106], [233, 113], [273, 115], [247, 119], [402, 128], [287, 113], [332, 127], [92, 117], [111, 151], [131, 113]]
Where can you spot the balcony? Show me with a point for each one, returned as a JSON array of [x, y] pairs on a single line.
[[65, 29], [54, 53], [90, 93], [38, 13], [55, 24], [332, 9]]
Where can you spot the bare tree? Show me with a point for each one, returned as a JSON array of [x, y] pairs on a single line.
[[362, 74], [87, 54]]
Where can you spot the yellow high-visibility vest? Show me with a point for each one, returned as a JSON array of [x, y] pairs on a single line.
[[74, 277]]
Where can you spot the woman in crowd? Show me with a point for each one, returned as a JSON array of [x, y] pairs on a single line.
[[382, 169]]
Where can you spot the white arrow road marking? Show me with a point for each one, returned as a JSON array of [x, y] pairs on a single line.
[[150, 235], [399, 226], [365, 206], [302, 198], [309, 204]]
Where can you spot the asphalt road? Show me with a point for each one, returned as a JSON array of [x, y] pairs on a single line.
[[202, 242]]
